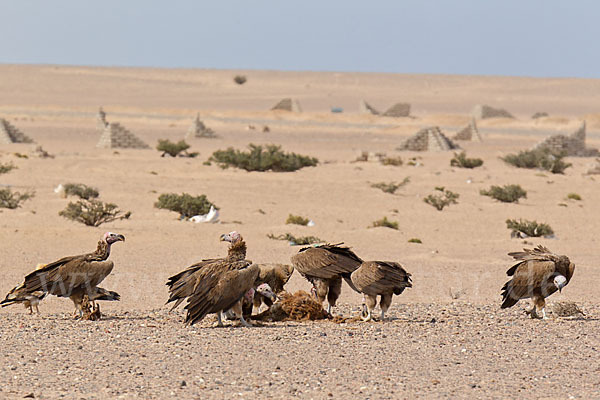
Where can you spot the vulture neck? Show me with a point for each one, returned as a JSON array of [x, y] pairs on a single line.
[[103, 250], [237, 251]]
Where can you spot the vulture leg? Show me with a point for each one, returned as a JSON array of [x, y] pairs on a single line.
[[37, 309], [321, 288], [335, 289], [219, 320], [237, 309], [31, 309], [257, 302], [371, 302], [540, 307], [385, 303]]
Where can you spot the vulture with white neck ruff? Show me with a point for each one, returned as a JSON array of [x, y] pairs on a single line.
[[75, 276], [537, 275], [216, 285], [324, 266], [380, 278]]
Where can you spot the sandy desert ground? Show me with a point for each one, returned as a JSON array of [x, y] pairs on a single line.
[[447, 336]]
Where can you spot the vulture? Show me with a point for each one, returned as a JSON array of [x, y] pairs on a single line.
[[19, 295], [324, 266], [275, 276], [379, 278], [537, 274], [76, 276], [216, 285]]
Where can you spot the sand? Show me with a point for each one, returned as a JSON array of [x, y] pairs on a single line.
[[457, 271]]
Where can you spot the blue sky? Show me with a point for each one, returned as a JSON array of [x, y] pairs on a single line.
[[484, 37]]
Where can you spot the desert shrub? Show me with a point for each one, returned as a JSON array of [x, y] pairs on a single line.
[[185, 204], [542, 158], [80, 190], [93, 212], [297, 220], [240, 79], [528, 228], [178, 149], [20, 155], [390, 187], [415, 240], [386, 223], [574, 196], [506, 193], [395, 161], [12, 200], [443, 199], [460, 160], [4, 168], [261, 158], [296, 241]]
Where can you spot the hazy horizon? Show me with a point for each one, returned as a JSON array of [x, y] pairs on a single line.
[[469, 37]]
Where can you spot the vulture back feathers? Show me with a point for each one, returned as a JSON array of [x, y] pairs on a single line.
[[537, 274], [381, 277]]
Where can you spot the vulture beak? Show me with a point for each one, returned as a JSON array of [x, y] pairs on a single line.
[[120, 237], [266, 291], [225, 238]]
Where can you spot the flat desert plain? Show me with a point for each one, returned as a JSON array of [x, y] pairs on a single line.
[[446, 337]]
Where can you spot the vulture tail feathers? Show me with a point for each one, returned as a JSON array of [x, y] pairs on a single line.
[[507, 299], [107, 295], [349, 282]]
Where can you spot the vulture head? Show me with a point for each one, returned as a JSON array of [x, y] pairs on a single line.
[[266, 291], [560, 282], [110, 237], [231, 237]]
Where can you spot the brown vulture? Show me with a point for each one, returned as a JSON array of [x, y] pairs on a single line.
[[537, 275], [216, 285], [324, 266], [18, 294], [75, 276], [379, 278], [275, 276]]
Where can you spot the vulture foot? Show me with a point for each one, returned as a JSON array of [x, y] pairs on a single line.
[[219, 323], [365, 315], [244, 322], [382, 315]]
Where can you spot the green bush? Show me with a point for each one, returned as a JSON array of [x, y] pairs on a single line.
[[386, 223], [80, 190], [542, 158], [528, 228], [174, 149], [185, 204], [506, 193], [4, 168], [443, 199], [240, 79], [296, 241], [415, 240], [460, 160], [93, 212], [12, 200], [297, 220], [390, 187], [574, 196], [261, 158]]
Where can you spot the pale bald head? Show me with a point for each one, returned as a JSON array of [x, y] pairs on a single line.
[[266, 291], [560, 282], [110, 237], [231, 237]]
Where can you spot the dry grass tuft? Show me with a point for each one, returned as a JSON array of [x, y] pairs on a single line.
[[566, 309]]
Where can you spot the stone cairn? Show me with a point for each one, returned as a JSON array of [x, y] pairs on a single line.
[[116, 136], [365, 108], [288, 104], [572, 145], [428, 139], [199, 130], [398, 110], [485, 111], [469, 132], [10, 134]]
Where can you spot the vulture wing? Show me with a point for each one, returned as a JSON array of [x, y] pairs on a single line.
[[275, 275], [381, 277], [529, 277], [18, 294], [326, 261], [218, 288], [61, 277]]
